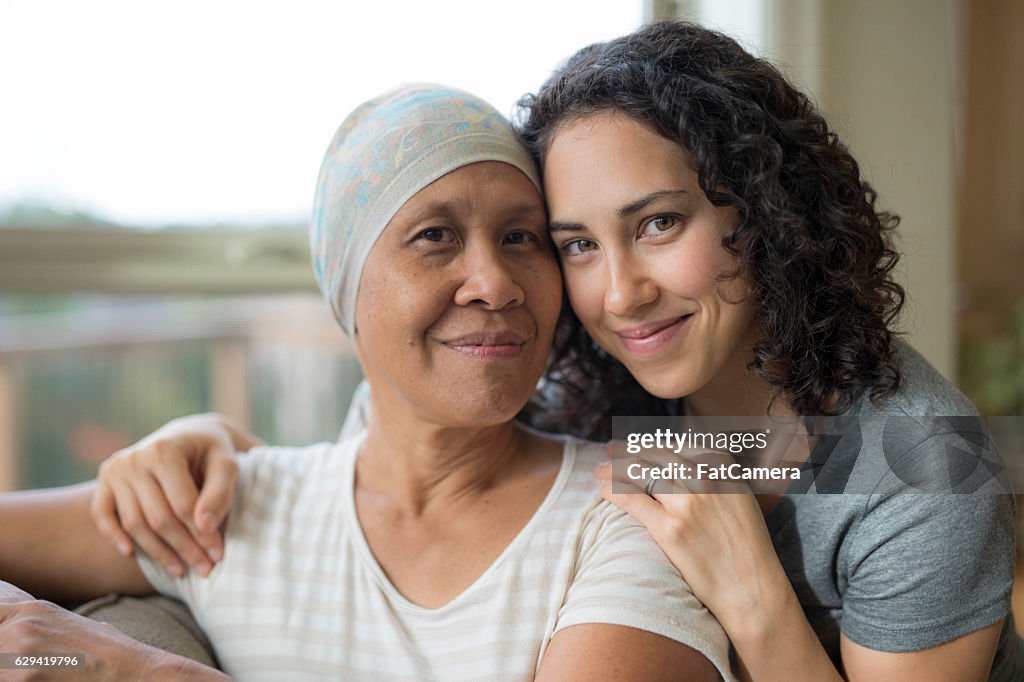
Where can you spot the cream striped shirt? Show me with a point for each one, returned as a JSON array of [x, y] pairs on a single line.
[[299, 595]]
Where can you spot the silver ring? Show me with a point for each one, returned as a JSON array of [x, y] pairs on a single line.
[[648, 489]]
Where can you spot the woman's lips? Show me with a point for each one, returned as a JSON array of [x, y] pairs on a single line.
[[488, 345], [651, 338]]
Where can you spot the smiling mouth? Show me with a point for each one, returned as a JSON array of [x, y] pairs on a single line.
[[488, 345], [651, 338]]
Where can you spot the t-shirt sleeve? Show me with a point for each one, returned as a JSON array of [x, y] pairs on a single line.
[[926, 568], [623, 578], [160, 579]]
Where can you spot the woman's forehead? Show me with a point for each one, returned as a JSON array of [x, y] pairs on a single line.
[[490, 187]]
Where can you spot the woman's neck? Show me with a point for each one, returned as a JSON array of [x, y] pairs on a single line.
[[743, 396], [419, 463], [737, 392]]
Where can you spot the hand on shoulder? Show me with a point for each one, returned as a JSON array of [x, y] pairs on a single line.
[[170, 492]]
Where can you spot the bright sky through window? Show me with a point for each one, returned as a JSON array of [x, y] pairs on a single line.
[[219, 111]]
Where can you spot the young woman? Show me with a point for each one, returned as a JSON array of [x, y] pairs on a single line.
[[722, 256]]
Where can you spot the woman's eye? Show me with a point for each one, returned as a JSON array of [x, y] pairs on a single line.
[[658, 225], [518, 237], [438, 234], [579, 247]]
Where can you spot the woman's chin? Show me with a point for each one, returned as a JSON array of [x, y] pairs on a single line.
[[667, 384], [477, 406], [476, 415]]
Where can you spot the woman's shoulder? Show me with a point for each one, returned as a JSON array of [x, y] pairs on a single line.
[[282, 473], [580, 458], [923, 391], [576, 502], [588, 452], [299, 461]]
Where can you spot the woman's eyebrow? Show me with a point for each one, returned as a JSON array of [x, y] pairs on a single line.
[[644, 201], [447, 210], [441, 209], [559, 226], [624, 212]]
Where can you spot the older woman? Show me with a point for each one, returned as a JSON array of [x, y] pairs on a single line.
[[445, 542], [723, 256]]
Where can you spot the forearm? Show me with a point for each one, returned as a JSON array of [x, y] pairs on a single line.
[[777, 643], [51, 548]]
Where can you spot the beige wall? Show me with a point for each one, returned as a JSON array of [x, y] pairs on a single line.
[[881, 72]]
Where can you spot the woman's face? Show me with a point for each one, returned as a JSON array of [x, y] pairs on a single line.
[[641, 251], [459, 298]]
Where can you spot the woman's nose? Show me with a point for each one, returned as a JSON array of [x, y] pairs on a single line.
[[628, 286], [489, 280]]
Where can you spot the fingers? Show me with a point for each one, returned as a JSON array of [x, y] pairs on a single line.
[[175, 479], [690, 470], [634, 502], [104, 514], [134, 522], [666, 516], [616, 448], [631, 475], [163, 521], [177, 492], [151, 507], [214, 501], [171, 491], [655, 511]]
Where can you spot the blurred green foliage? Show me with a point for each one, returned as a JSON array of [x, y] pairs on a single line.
[[992, 367], [76, 402]]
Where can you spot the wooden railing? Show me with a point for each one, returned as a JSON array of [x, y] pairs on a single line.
[[227, 327]]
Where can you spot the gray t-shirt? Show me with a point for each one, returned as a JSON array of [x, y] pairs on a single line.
[[899, 564]]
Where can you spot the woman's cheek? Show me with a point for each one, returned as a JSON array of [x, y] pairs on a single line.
[[547, 277], [586, 294], [688, 270]]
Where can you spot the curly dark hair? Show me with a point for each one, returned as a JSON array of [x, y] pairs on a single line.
[[816, 252]]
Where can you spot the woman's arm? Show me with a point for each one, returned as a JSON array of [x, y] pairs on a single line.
[[51, 548], [965, 658], [614, 652], [781, 645], [721, 546], [627, 614]]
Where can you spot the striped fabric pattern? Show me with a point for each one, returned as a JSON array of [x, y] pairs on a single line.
[[299, 596]]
